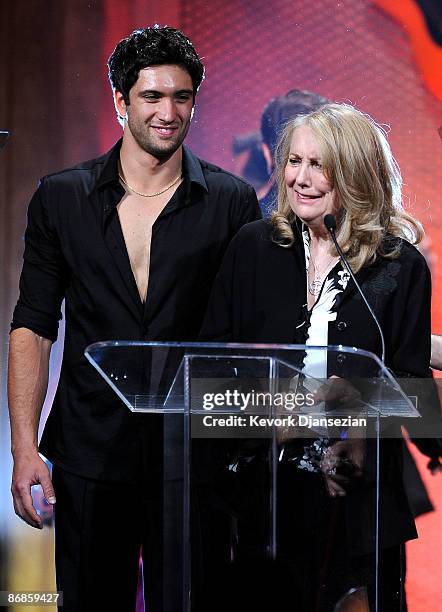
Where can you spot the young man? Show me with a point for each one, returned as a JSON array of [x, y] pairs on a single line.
[[132, 241]]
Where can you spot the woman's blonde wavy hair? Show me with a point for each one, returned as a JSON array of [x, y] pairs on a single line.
[[358, 162]]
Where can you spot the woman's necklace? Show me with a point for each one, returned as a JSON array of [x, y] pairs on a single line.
[[150, 195], [314, 286]]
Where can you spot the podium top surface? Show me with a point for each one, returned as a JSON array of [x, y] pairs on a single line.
[[171, 377]]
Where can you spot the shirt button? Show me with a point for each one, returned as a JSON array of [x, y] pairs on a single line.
[[340, 358], [342, 325]]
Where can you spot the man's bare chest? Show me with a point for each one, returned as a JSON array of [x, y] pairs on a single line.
[[137, 216]]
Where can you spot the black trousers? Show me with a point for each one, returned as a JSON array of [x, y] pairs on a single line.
[[100, 528]]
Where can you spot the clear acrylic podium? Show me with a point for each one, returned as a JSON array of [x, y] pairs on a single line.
[[270, 479]]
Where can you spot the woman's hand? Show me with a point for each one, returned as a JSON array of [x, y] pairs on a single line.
[[338, 390], [341, 462]]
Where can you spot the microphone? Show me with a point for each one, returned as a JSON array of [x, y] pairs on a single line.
[[330, 224]]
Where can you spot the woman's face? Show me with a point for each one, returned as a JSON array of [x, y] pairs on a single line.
[[311, 195]]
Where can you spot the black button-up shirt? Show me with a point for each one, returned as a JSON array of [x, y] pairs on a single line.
[[75, 250]]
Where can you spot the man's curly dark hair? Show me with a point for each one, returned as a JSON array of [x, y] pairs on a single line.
[[153, 46]]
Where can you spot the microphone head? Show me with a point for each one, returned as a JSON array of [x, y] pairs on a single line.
[[330, 222]]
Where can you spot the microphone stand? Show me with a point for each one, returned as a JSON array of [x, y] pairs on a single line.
[[330, 224]]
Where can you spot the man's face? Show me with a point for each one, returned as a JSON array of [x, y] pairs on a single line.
[[160, 109]]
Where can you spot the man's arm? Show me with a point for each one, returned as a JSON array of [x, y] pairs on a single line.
[[27, 384], [436, 351]]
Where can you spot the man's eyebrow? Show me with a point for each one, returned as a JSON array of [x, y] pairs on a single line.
[[155, 92]]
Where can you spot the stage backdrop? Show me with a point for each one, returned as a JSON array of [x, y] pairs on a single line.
[[55, 98]]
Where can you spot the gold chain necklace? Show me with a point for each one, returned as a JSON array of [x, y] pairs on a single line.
[[150, 195]]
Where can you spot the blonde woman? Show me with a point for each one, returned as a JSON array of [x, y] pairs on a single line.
[[282, 282]]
